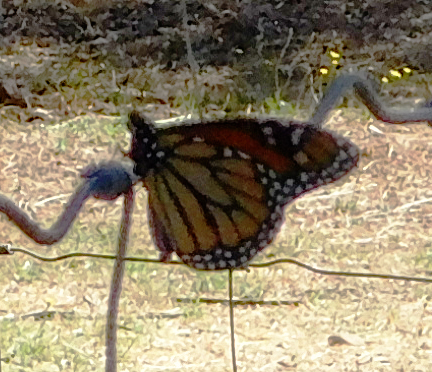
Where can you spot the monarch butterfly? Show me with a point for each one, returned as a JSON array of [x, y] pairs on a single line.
[[217, 190]]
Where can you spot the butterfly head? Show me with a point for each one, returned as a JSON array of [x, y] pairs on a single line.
[[145, 145]]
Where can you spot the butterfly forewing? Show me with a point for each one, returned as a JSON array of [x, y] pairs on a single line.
[[217, 190]]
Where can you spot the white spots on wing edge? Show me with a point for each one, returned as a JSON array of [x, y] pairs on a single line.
[[243, 155], [296, 136], [227, 152]]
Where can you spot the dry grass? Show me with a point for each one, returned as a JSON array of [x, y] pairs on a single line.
[[377, 219]]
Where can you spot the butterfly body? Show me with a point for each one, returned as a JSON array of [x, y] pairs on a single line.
[[217, 190]]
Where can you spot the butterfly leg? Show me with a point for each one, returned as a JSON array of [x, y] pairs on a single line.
[[165, 256], [164, 247]]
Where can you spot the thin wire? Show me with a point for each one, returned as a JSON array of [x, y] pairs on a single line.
[[265, 264], [233, 350], [343, 273]]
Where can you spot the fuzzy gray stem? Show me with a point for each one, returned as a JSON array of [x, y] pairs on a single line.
[[364, 90], [116, 284], [55, 232]]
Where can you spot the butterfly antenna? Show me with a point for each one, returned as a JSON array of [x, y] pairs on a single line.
[[231, 305]]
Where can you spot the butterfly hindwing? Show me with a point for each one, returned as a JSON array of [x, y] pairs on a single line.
[[217, 190]]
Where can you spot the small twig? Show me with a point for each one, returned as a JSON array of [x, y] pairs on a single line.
[[56, 197], [193, 64], [231, 306], [212, 301], [278, 62], [79, 351], [191, 59], [412, 204]]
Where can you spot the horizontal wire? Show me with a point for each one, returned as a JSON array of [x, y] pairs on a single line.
[[260, 265]]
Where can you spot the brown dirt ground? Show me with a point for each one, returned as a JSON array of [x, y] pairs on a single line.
[[387, 230]]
